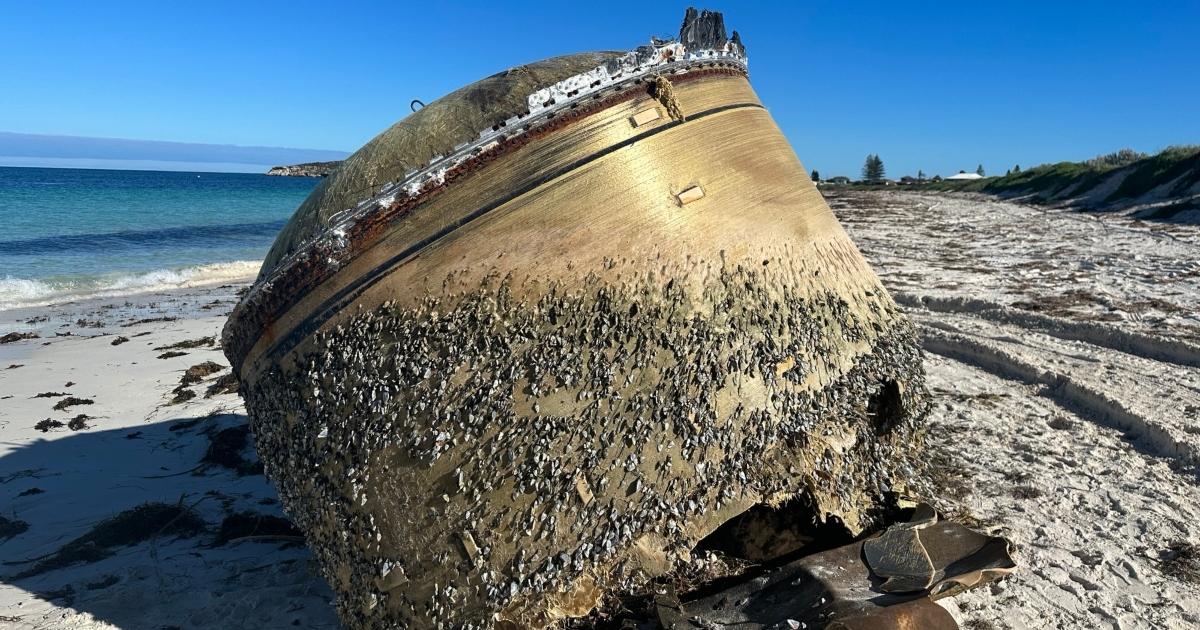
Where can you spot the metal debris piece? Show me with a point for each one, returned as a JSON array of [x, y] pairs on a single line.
[[841, 589]]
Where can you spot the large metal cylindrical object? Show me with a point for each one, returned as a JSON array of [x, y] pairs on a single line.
[[545, 377]]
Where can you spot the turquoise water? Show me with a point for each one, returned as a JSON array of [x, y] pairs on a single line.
[[67, 233]]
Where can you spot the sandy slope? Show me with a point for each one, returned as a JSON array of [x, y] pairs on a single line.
[[1067, 397], [1061, 351]]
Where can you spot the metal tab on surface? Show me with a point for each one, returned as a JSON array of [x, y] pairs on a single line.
[[688, 196], [645, 116]]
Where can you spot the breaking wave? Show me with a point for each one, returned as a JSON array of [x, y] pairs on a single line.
[[23, 292]]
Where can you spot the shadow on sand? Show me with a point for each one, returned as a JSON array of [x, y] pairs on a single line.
[[164, 525]]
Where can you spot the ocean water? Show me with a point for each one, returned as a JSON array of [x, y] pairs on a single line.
[[69, 233]]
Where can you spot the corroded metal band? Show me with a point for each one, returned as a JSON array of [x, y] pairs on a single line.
[[349, 293], [253, 326]]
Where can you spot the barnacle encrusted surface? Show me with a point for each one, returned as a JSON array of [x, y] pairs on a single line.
[[504, 452], [533, 375]]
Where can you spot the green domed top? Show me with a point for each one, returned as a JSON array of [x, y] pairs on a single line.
[[411, 143]]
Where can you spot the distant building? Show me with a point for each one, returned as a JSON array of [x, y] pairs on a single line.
[[962, 176], [840, 179], [908, 180]]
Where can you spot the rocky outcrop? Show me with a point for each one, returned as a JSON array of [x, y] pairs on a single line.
[[308, 169]]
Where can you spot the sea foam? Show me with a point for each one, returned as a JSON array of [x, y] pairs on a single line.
[[24, 292]]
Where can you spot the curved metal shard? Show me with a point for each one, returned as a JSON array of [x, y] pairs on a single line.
[[855, 587]]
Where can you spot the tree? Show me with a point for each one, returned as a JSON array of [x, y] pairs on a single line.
[[920, 175], [816, 176], [1017, 168], [873, 171], [979, 171]]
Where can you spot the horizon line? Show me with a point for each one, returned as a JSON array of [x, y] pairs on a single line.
[[58, 151]]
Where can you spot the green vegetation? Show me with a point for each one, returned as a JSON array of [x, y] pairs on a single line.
[[1151, 172], [873, 171], [1138, 175], [1124, 157]]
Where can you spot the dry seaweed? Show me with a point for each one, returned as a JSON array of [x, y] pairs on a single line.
[[11, 527], [130, 527], [198, 372], [171, 354], [119, 340], [71, 401], [182, 394], [104, 582], [149, 320], [225, 384], [252, 525], [184, 425], [79, 422], [227, 448], [45, 425], [17, 336], [1181, 560], [190, 344]]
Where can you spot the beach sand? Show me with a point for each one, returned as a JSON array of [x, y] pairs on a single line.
[[1063, 359], [138, 447], [1061, 353]]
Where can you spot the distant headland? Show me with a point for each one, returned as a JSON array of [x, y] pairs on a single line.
[[308, 169]]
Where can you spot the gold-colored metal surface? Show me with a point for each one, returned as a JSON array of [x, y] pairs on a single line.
[[411, 143], [515, 171]]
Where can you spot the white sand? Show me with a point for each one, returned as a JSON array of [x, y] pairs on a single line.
[[1071, 428], [130, 455], [1076, 434]]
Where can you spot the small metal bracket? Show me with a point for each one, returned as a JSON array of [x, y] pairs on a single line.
[[694, 193], [645, 116]]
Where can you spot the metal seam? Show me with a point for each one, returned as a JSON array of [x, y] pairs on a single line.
[[336, 302]]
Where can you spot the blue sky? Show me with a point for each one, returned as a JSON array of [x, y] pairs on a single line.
[[937, 86]]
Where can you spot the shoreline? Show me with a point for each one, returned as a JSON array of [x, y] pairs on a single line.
[[126, 287]]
